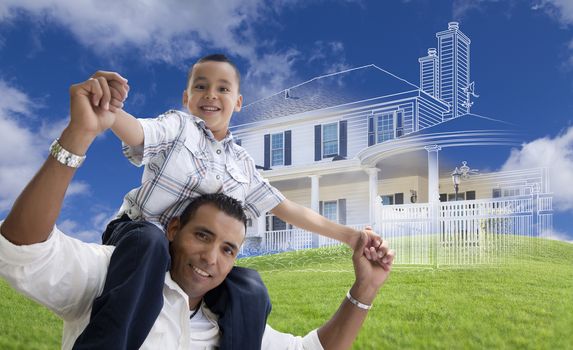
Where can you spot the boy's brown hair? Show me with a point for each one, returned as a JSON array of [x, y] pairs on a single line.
[[217, 57]]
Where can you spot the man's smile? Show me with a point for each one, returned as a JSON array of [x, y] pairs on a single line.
[[200, 272]]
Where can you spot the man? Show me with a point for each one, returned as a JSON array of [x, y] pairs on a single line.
[[67, 275]]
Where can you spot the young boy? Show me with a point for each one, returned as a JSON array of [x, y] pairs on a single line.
[[184, 156]]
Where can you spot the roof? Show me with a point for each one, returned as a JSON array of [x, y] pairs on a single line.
[[353, 85], [467, 122]]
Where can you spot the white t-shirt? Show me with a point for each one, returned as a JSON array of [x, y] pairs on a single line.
[[66, 275]]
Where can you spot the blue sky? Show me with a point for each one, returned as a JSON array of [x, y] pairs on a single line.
[[521, 61]]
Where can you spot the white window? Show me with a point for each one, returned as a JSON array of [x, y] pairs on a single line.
[[387, 199], [277, 149], [510, 192], [330, 139], [330, 210], [384, 127]]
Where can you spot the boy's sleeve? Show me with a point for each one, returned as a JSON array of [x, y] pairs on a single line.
[[159, 135], [261, 196]]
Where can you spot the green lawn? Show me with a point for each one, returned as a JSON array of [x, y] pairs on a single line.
[[524, 304]]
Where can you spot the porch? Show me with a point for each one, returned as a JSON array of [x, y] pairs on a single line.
[[458, 233]]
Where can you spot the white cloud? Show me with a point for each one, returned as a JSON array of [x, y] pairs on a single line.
[[562, 10], [170, 31], [557, 235], [269, 74], [167, 30], [330, 55], [78, 187], [556, 154], [19, 156], [89, 231], [22, 150]]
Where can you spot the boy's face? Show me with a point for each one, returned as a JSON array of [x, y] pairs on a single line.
[[213, 95], [204, 250]]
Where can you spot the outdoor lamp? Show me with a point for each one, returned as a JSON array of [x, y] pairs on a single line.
[[456, 177]]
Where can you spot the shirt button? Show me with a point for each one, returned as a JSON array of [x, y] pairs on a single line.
[[218, 177], [218, 151]]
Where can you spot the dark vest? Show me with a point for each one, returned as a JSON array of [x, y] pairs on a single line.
[[242, 303]]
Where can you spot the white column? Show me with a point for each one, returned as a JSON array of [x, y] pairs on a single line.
[[433, 174], [314, 204], [261, 229], [373, 193], [262, 225], [314, 193], [434, 196]]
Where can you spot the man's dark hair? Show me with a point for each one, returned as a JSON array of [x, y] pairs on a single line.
[[226, 204], [217, 57]]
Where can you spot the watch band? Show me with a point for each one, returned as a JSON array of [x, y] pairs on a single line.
[[64, 156]]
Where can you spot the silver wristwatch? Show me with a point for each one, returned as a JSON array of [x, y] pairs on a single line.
[[64, 156]]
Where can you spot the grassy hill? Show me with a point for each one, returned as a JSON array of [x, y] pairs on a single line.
[[524, 304]]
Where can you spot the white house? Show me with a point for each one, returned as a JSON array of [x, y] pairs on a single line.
[[363, 146]]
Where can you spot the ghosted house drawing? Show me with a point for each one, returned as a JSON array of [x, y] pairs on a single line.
[[366, 147]]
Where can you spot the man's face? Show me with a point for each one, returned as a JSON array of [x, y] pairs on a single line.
[[213, 95], [204, 251]]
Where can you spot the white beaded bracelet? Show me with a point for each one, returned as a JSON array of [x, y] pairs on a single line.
[[357, 303]]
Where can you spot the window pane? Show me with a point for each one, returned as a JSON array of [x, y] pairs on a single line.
[[277, 151], [384, 127], [330, 148], [329, 139], [330, 210], [387, 200], [277, 141], [277, 157], [330, 132]]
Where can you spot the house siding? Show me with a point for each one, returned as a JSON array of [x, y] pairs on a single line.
[[428, 113], [355, 193]]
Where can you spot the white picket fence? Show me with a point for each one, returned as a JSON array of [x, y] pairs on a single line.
[[466, 232]]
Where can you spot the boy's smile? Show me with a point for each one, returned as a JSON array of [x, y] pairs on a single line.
[[213, 95]]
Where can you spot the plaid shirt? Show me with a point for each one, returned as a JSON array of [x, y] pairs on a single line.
[[183, 160]]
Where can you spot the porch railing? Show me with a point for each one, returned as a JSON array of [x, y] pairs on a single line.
[[450, 233]]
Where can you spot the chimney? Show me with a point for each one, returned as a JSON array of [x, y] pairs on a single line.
[[429, 73]]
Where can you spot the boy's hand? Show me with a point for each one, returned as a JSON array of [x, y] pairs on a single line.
[[117, 87], [371, 274], [375, 247], [94, 101]]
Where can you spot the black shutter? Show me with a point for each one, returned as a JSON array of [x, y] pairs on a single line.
[[443, 197], [470, 195], [371, 134], [317, 142], [342, 131], [398, 198], [399, 123], [288, 147], [320, 207], [238, 142], [342, 211], [267, 151]]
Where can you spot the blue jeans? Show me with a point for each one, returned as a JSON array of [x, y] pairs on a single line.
[[132, 296]]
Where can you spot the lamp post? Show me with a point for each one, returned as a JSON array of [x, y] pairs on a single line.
[[462, 173], [456, 177]]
